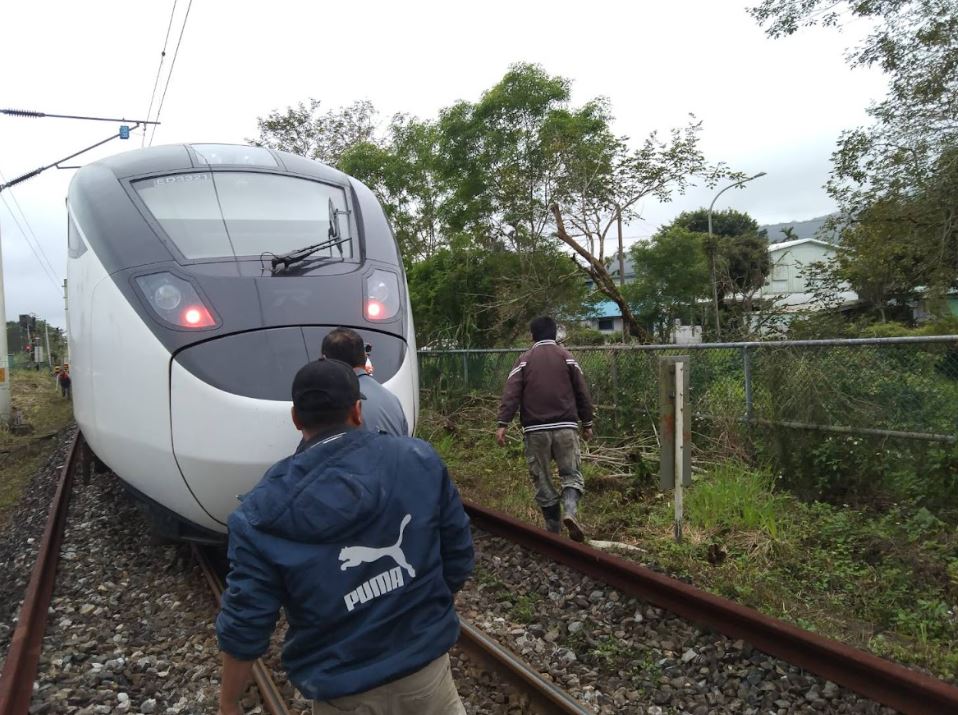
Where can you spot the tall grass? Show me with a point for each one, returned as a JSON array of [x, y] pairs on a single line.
[[737, 498]]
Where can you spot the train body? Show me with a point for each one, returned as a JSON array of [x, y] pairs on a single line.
[[191, 304]]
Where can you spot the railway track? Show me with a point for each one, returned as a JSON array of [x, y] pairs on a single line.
[[872, 677], [23, 657], [543, 697], [20, 666], [875, 678]]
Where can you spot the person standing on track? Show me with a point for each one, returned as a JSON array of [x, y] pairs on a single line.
[[362, 539], [548, 388], [382, 410]]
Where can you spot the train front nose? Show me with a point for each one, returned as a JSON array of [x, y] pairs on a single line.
[[230, 405], [229, 411]]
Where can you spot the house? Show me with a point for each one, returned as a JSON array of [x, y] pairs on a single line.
[[607, 318], [787, 284]]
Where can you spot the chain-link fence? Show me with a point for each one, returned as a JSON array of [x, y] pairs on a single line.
[[895, 387]]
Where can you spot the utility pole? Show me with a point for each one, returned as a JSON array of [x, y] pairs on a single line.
[[46, 330], [618, 217], [4, 355], [712, 251]]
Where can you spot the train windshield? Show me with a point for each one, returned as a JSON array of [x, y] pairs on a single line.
[[233, 214]]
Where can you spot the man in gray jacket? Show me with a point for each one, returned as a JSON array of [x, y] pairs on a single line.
[[382, 411], [548, 388]]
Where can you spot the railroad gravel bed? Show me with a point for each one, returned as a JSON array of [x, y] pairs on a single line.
[[131, 624], [617, 654], [130, 628], [21, 534]]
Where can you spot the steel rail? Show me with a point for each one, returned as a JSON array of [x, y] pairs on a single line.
[[272, 698], [20, 667], [875, 678], [544, 697]]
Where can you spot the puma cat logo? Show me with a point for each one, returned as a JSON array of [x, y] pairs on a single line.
[[355, 555]]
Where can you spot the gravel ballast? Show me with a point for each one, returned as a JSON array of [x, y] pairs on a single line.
[[617, 654], [131, 630], [22, 532]]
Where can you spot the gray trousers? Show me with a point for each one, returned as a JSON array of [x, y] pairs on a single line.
[[429, 691], [562, 445]]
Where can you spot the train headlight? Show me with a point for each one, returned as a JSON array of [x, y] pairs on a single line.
[[167, 297], [382, 295], [176, 301]]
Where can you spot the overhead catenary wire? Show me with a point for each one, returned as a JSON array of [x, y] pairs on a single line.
[[169, 75], [36, 255], [156, 82], [52, 271]]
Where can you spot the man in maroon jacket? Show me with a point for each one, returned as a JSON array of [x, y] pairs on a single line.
[[546, 385]]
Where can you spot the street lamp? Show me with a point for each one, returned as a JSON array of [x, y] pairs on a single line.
[[718, 327]]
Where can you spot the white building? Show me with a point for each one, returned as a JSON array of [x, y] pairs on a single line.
[[787, 284]]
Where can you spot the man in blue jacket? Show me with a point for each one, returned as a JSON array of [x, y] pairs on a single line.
[[361, 537]]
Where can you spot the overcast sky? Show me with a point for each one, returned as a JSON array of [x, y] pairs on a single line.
[[775, 106]]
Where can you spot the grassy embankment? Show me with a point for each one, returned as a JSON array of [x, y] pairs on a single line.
[[886, 582], [36, 395]]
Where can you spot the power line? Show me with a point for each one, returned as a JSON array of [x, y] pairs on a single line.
[[156, 82], [36, 240], [176, 52], [36, 255]]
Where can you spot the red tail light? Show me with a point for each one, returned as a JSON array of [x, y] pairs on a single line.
[[176, 301], [382, 295], [196, 316]]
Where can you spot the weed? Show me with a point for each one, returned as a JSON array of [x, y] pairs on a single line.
[[524, 609]]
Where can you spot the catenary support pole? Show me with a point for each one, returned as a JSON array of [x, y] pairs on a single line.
[[46, 332], [4, 355]]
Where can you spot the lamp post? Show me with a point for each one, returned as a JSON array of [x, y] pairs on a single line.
[[718, 327]]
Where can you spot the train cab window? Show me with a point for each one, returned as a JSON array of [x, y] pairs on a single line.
[[75, 244], [226, 214]]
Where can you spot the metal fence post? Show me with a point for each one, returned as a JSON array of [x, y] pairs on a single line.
[[465, 371], [747, 365], [681, 453]]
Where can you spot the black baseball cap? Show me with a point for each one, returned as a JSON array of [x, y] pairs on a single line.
[[325, 385]]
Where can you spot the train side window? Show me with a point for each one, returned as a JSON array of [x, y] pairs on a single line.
[[75, 244]]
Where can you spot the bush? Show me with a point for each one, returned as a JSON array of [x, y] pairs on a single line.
[[582, 335]]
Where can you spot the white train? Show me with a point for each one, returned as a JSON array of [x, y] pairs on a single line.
[[201, 277]]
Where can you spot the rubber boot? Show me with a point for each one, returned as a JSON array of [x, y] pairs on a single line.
[[551, 514], [570, 500]]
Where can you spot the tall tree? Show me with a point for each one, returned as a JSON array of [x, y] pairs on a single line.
[[615, 186], [740, 252], [325, 136], [671, 277], [495, 154], [906, 161], [404, 172]]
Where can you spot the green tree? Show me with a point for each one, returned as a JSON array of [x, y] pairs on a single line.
[[325, 136], [469, 297], [740, 252], [897, 177], [404, 172], [495, 153], [605, 188], [671, 276]]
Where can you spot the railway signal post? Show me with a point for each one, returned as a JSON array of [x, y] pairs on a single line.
[[675, 432]]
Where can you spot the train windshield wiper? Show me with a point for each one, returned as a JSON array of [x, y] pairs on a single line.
[[301, 254], [285, 260]]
